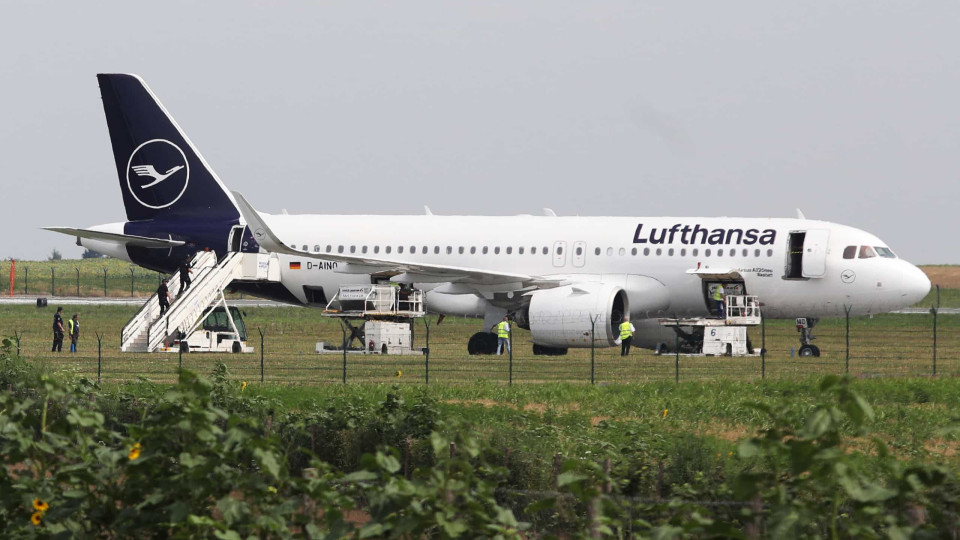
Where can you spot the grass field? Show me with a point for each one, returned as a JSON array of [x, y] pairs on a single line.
[[885, 345]]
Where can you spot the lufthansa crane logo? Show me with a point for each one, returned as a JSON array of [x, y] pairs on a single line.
[[157, 173], [848, 276]]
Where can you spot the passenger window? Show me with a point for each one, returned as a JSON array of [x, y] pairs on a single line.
[[399, 249], [659, 251], [520, 250], [316, 249], [545, 250], [695, 252], [769, 253], [376, 249], [363, 249], [683, 252], [867, 252], [509, 250], [353, 249], [339, 249], [706, 253], [436, 250], [744, 252], [596, 251], [484, 250], [622, 252], [633, 252], [850, 252], [424, 250], [387, 249], [450, 250], [559, 251], [329, 248], [719, 253], [304, 247], [460, 250], [646, 251], [670, 252], [473, 250], [413, 250], [609, 251], [756, 253], [579, 250], [496, 250]]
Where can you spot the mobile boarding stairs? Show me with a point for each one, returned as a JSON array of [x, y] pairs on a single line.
[[147, 331]]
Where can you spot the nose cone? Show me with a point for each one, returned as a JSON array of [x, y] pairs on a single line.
[[915, 285]]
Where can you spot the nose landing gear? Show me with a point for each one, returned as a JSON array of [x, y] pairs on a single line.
[[805, 327]]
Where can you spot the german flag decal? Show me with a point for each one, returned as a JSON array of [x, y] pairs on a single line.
[[295, 266]]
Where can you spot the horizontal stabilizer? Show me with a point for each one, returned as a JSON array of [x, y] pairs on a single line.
[[127, 239]]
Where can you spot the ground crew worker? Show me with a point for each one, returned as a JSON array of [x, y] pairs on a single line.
[[74, 327], [503, 334], [185, 270], [718, 297], [57, 331], [626, 336]]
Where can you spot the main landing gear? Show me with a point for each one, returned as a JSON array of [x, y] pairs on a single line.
[[805, 327]]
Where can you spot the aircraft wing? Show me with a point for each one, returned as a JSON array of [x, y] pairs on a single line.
[[408, 271], [128, 239]]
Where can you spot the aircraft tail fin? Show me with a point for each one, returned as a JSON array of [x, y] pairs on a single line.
[[161, 173]]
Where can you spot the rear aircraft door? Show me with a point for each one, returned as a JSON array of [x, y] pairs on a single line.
[[559, 253], [579, 254], [815, 253]]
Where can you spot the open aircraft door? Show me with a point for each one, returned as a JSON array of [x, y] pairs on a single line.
[[815, 253], [711, 278]]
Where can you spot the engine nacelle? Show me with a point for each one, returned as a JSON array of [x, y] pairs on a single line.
[[561, 317]]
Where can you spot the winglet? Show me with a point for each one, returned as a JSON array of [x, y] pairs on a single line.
[[267, 239], [800, 214], [549, 212], [426, 211]]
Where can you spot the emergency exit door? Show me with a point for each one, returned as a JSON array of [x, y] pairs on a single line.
[[559, 254], [579, 254]]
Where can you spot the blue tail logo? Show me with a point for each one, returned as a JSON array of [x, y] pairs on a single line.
[[149, 186]]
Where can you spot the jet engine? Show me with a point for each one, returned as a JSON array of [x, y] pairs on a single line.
[[561, 317]]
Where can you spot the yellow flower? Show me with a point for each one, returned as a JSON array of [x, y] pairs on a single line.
[[664, 413], [271, 489], [243, 386], [36, 518], [399, 373], [730, 454], [40, 505], [134, 452]]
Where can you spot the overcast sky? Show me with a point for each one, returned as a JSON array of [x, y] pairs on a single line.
[[847, 110]]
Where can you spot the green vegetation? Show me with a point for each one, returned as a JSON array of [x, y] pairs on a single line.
[[228, 458]]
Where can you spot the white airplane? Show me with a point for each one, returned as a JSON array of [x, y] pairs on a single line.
[[550, 274]]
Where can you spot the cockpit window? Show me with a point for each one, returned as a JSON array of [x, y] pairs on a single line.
[[866, 252], [850, 252], [885, 252]]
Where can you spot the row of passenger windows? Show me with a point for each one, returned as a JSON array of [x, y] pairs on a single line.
[[509, 250], [867, 252]]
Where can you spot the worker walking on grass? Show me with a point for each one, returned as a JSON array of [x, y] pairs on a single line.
[[503, 334], [626, 335], [73, 325], [718, 297], [57, 331]]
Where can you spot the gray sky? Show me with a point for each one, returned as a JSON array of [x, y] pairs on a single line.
[[847, 110]]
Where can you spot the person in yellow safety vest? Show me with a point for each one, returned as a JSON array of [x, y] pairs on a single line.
[[503, 334], [718, 297], [626, 336]]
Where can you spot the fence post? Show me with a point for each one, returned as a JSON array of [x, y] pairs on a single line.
[[938, 297], [593, 327], [19, 337], [847, 309], [104, 282], [934, 311], [510, 352], [426, 354], [676, 349], [261, 354], [26, 279], [131, 282], [763, 347], [78, 280], [99, 354], [343, 329], [53, 283]]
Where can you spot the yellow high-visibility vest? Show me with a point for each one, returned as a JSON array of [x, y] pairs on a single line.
[[625, 331], [717, 295], [502, 331]]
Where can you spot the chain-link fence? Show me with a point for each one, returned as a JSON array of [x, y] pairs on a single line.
[[908, 345]]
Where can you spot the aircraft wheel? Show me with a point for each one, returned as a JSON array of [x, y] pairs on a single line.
[[543, 350], [809, 350], [482, 343], [661, 349], [236, 347]]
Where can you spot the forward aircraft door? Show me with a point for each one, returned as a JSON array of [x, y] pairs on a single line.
[[559, 254], [815, 253], [579, 254]]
